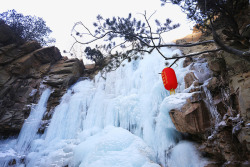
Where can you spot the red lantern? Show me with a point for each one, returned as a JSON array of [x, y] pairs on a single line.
[[169, 79]]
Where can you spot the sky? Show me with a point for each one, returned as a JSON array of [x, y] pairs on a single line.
[[60, 15]]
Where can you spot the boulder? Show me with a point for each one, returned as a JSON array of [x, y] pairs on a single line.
[[192, 118], [64, 73], [189, 79]]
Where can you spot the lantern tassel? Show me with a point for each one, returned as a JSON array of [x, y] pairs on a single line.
[[172, 91]]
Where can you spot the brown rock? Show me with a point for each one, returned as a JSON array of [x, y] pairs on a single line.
[[187, 61], [235, 64], [189, 79], [61, 75], [29, 47], [195, 89], [16, 97], [5, 54], [65, 72], [56, 80], [23, 65], [44, 69], [196, 83], [48, 55], [217, 65], [213, 83], [196, 97], [89, 66], [244, 136], [22, 68], [241, 84], [222, 110], [192, 118], [12, 52], [4, 77]]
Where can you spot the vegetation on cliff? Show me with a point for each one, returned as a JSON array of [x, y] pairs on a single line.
[[28, 27], [137, 36]]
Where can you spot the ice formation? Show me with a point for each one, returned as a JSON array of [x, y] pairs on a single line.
[[120, 121]]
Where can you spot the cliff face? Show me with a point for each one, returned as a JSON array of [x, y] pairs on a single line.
[[217, 116], [24, 70]]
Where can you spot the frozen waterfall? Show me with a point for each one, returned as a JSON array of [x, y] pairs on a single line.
[[120, 121], [17, 148]]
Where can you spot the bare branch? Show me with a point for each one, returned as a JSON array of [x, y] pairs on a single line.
[[174, 62], [118, 46], [194, 54], [150, 29], [218, 41], [84, 27], [150, 15], [142, 50], [73, 46], [186, 44], [230, 49]]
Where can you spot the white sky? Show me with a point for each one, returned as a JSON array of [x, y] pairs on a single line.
[[60, 15]]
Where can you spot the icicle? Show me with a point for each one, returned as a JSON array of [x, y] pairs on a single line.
[[31, 125], [90, 126]]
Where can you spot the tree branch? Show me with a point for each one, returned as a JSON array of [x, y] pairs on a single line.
[[174, 62], [230, 49], [185, 45], [218, 41], [152, 36], [194, 54]]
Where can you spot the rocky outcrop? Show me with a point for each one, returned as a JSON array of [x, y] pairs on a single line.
[[193, 117], [61, 75], [189, 79], [24, 70], [230, 89], [217, 114], [225, 140]]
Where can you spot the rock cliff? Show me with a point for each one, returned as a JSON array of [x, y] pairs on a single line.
[[217, 116], [25, 69]]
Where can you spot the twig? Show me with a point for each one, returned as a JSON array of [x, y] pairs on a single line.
[[174, 62], [152, 36]]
